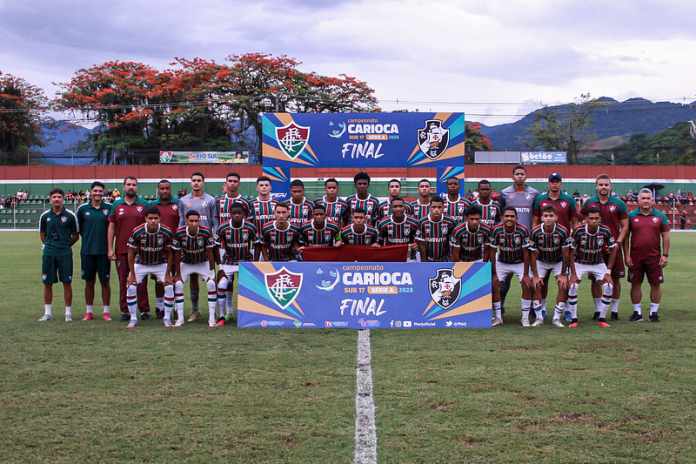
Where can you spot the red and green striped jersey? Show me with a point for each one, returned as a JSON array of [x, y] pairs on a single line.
[[226, 202], [491, 212], [280, 242], [549, 244], [471, 243], [194, 248], [510, 244], [590, 248], [646, 232], [263, 212], [370, 205], [435, 235], [336, 211], [385, 209], [456, 209], [238, 242], [325, 237], [420, 210], [300, 213], [368, 236], [613, 211], [393, 232], [564, 206], [150, 247]]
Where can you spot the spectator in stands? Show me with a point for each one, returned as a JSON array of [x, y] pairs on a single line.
[[115, 194], [182, 193], [683, 219]]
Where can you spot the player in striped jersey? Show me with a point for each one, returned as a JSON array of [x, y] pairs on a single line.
[[335, 207], [280, 238], [363, 200], [232, 197], [149, 253], [434, 232], [591, 241], [550, 245], [491, 210], [300, 208], [470, 240], [238, 238], [421, 207], [510, 246], [263, 207], [394, 191], [193, 249], [455, 205], [358, 232], [319, 232], [397, 228]]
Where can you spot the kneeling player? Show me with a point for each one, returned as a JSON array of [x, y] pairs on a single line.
[[149, 253], [550, 252], [591, 241], [470, 241], [319, 233], [397, 228], [193, 247], [510, 243], [359, 233]]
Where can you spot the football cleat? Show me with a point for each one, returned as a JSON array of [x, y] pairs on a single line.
[[212, 325], [167, 323], [603, 324], [179, 323], [654, 317], [194, 316], [614, 316], [88, 317], [635, 317], [220, 322], [497, 322], [45, 317], [525, 322], [538, 322], [68, 317], [574, 325], [557, 323], [132, 324], [106, 316], [595, 316], [145, 316]]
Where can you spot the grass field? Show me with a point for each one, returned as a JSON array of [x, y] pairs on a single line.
[[93, 392]]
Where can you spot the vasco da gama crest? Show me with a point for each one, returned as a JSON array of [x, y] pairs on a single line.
[[283, 286], [292, 139], [433, 138], [444, 288]]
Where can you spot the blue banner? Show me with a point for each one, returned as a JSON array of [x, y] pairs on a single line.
[[364, 295]]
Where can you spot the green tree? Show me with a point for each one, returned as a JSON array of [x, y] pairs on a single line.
[[20, 118], [670, 146]]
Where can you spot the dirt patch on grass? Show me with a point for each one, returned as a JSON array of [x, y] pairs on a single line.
[[442, 406]]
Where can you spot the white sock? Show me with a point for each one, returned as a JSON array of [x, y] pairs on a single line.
[[543, 305], [558, 310], [68, 310], [615, 305], [89, 308], [526, 306], [573, 301], [159, 304], [606, 300], [498, 311], [107, 310], [48, 309], [637, 308], [536, 304], [229, 304], [654, 307], [598, 304]]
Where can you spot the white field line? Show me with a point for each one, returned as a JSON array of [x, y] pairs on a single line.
[[365, 428]]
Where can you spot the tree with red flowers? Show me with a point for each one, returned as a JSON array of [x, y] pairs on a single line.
[[20, 116], [475, 141]]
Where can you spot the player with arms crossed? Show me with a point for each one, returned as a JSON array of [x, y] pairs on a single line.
[[647, 250], [358, 232], [149, 253], [336, 208], [280, 238], [397, 228], [434, 232], [193, 248]]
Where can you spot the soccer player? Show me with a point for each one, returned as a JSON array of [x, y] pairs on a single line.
[[550, 245], [455, 205], [614, 215], [394, 191], [562, 202], [59, 230], [362, 199], [491, 210], [264, 205], [169, 218], [470, 240], [397, 228], [359, 232], [206, 207], [510, 255], [336, 208], [319, 232], [433, 233], [93, 222], [647, 250], [591, 241], [193, 248], [421, 206], [300, 208], [280, 238], [238, 238], [232, 197], [127, 213], [149, 254]]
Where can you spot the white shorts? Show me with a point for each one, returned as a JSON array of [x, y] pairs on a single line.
[[597, 270], [158, 271], [502, 270], [202, 269], [229, 269], [544, 268]]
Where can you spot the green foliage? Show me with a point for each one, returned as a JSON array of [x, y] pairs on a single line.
[[671, 146]]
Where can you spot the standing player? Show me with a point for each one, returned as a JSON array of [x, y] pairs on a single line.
[[562, 202], [127, 213], [93, 222], [193, 247], [393, 191], [358, 232], [491, 210], [434, 232], [59, 230], [510, 247], [397, 228], [149, 253], [238, 238], [169, 218], [455, 205], [614, 215], [647, 251], [549, 248], [206, 207], [232, 197], [336, 208], [470, 240], [362, 199], [263, 206], [280, 238], [591, 242], [300, 208], [421, 206], [319, 232]]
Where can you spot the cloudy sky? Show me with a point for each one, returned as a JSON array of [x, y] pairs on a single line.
[[491, 59]]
